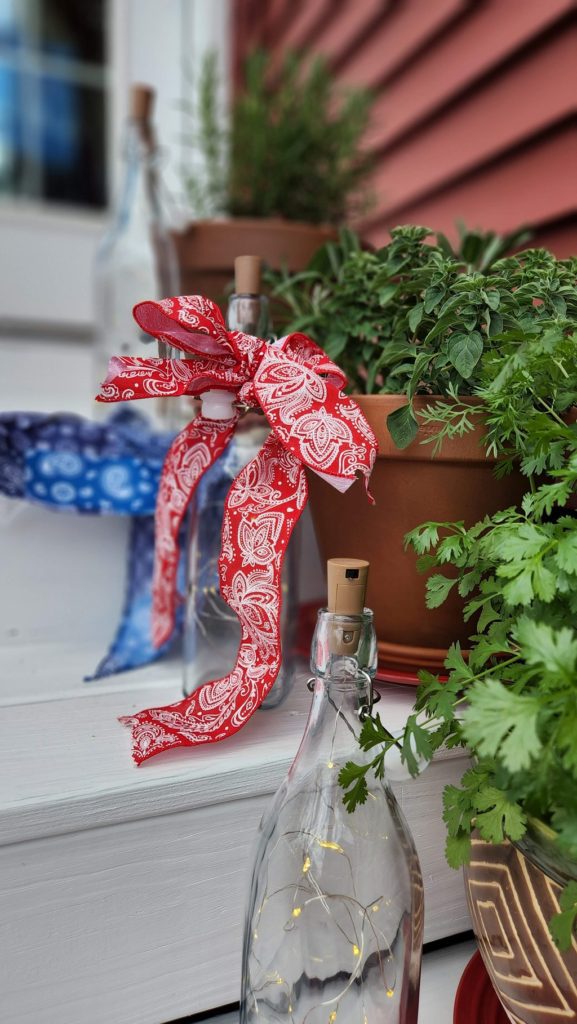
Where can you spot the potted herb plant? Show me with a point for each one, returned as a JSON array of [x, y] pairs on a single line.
[[513, 702], [409, 323], [278, 175]]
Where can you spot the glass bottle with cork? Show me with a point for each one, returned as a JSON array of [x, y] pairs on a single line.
[[136, 258], [335, 917], [212, 630]]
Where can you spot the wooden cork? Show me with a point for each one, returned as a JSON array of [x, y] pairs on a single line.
[[247, 272], [347, 585], [141, 102]]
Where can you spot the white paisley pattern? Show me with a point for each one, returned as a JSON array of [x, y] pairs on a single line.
[[313, 424]]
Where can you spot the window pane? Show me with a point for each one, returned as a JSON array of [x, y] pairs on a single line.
[[20, 159], [69, 28], [73, 142], [14, 24]]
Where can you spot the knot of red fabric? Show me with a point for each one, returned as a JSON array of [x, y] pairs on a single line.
[[313, 424]]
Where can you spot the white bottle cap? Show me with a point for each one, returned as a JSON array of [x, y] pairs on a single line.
[[218, 405]]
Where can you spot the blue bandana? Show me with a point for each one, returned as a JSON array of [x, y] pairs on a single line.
[[113, 468]]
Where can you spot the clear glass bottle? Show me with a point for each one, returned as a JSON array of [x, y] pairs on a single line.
[[212, 630], [136, 258], [334, 925]]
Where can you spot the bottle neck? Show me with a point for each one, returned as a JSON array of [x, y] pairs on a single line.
[[250, 314], [335, 721], [139, 197]]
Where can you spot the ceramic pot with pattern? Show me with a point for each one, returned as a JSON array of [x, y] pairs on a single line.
[[512, 892]]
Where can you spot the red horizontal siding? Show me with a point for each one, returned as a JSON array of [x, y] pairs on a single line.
[[474, 46], [410, 26], [473, 104], [483, 124], [525, 188]]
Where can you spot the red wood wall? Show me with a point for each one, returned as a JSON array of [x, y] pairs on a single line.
[[475, 115]]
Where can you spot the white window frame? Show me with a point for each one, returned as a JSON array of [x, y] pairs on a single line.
[[46, 250]]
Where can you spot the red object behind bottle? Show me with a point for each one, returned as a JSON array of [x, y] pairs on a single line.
[[476, 1001]]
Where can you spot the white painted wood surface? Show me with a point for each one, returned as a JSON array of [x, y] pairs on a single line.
[[122, 889], [442, 970]]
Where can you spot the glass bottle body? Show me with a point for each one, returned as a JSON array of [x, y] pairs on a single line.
[[212, 630], [135, 260], [334, 924]]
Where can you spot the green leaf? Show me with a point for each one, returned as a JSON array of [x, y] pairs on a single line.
[[495, 324], [415, 316], [352, 779], [458, 850], [387, 293], [432, 298], [493, 299], [554, 649], [415, 742], [438, 589], [423, 538], [500, 723], [498, 817], [464, 351], [458, 808], [559, 304], [566, 554], [520, 589], [450, 548], [373, 732], [563, 925], [402, 426]]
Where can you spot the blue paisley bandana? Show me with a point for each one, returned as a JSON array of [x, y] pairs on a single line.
[[113, 468]]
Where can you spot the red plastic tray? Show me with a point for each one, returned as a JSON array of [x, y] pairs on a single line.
[[476, 1001]]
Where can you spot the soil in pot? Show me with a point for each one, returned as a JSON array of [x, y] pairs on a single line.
[[409, 487]]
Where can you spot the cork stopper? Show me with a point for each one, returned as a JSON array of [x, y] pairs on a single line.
[[141, 102], [247, 271], [347, 585]]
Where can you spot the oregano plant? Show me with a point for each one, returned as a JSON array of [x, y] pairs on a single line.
[[416, 317]]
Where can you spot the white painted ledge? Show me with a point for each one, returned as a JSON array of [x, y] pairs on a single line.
[[123, 888]]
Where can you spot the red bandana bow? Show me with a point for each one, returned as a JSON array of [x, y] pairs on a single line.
[[313, 424]]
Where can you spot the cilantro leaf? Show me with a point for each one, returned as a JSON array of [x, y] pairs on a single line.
[[555, 650], [498, 817], [416, 743], [458, 849], [500, 723], [438, 589], [563, 925], [352, 778]]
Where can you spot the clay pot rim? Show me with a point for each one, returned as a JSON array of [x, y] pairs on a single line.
[[466, 449], [275, 223]]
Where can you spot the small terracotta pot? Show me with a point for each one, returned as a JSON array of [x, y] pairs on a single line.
[[511, 900], [409, 487], [206, 249]]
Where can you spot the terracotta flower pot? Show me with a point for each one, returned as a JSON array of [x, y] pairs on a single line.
[[409, 487], [206, 249], [511, 900]]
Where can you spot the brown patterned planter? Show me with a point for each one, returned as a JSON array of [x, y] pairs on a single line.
[[511, 900]]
